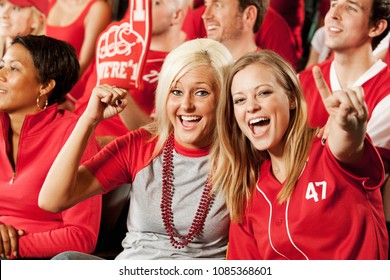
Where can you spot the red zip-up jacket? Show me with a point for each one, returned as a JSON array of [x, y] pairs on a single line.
[[46, 234]]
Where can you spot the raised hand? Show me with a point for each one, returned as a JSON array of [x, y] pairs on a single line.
[[9, 238], [346, 107], [105, 102], [347, 122]]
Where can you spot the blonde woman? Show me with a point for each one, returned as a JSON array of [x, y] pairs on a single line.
[[290, 194], [20, 18], [173, 213]]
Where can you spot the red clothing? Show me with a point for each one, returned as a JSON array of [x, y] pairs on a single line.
[[276, 35], [293, 11], [335, 212], [74, 34], [193, 24], [375, 83], [324, 8], [284, 43], [46, 234], [197, 3], [144, 98]]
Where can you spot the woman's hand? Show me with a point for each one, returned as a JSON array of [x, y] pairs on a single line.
[[9, 237], [105, 102], [346, 107], [347, 123]]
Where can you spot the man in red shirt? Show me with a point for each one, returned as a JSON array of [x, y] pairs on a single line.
[[254, 26], [353, 30]]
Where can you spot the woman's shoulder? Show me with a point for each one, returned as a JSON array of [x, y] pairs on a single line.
[[99, 7], [139, 139]]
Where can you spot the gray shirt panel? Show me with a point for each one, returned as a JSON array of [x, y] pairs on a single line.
[[146, 237]]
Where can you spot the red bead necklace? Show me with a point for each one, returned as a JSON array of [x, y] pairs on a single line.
[[177, 240]]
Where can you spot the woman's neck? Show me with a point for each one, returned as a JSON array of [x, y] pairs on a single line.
[[278, 164]]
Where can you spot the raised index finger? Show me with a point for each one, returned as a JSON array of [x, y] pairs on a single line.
[[320, 82]]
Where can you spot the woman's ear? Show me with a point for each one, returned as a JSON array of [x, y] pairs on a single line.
[[47, 87], [293, 103]]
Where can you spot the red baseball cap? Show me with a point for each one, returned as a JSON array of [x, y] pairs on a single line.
[[41, 5]]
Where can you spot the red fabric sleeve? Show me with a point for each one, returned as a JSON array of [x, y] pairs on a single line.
[[79, 233]]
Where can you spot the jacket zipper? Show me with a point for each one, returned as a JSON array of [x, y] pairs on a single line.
[[12, 179]]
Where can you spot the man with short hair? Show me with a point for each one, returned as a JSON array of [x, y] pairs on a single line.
[[353, 29], [246, 25]]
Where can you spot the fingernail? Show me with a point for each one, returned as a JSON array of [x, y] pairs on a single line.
[[323, 140], [15, 254], [2, 255]]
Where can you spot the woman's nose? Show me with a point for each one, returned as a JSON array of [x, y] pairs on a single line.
[[187, 102], [252, 105]]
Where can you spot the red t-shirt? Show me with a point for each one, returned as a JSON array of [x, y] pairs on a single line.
[[293, 11], [276, 35]]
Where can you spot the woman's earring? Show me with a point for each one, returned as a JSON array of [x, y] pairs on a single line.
[[39, 101]]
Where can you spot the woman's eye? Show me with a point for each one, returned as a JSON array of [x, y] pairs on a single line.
[[265, 92], [176, 92], [238, 100], [202, 93]]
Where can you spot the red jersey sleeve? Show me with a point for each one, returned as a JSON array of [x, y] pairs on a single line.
[[119, 162]]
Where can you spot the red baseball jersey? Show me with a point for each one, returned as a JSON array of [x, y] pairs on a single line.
[[335, 212]]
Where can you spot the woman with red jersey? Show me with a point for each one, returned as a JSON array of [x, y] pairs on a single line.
[[173, 211], [291, 195], [35, 74]]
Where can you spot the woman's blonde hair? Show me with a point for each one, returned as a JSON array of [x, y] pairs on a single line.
[[235, 160], [186, 57]]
